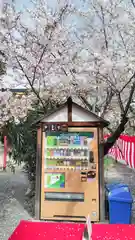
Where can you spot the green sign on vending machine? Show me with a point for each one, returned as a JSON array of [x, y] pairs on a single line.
[[54, 180]]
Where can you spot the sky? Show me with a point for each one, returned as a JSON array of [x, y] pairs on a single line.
[[19, 3], [78, 3], [27, 3]]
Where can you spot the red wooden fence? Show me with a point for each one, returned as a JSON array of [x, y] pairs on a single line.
[[124, 149]]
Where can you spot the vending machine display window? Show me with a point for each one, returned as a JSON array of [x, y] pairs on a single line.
[[68, 150]]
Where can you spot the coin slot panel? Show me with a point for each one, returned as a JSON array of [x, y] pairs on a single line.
[[91, 157]]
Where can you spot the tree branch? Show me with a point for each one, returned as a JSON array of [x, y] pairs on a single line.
[[105, 79], [40, 59], [120, 103], [62, 12], [130, 99], [122, 39], [109, 129], [109, 96], [104, 30], [31, 85], [132, 1], [133, 76], [112, 139], [88, 104]]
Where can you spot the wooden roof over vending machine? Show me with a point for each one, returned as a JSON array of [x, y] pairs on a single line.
[[72, 114]]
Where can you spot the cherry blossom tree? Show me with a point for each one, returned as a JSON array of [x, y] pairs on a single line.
[[64, 50], [109, 39]]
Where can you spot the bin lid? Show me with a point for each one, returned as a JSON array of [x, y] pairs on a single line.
[[121, 194], [112, 186]]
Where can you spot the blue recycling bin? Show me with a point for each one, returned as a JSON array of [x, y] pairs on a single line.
[[109, 187], [120, 205]]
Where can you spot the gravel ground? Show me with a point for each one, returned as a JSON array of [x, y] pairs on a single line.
[[122, 174], [12, 202]]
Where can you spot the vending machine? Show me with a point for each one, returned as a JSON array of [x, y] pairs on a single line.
[[70, 174]]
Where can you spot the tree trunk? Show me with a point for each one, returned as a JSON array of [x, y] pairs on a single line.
[[113, 138]]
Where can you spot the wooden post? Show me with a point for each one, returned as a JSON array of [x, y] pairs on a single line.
[[5, 154], [69, 102], [101, 175], [38, 174]]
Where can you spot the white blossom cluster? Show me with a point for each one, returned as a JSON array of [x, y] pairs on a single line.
[[65, 50]]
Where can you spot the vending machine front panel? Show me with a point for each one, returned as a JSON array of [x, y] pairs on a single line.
[[70, 174]]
